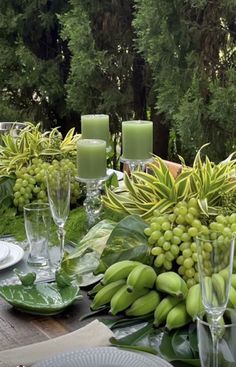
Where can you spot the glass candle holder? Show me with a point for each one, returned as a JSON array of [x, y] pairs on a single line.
[[92, 203]]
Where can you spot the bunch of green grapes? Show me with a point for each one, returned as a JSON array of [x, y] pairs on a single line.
[[172, 238], [30, 184]]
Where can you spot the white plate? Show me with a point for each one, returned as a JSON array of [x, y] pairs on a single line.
[[102, 357], [119, 174], [4, 250], [16, 253]]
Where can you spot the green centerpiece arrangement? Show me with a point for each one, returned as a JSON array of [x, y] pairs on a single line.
[[144, 250]]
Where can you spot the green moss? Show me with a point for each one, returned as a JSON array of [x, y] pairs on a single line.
[[76, 225]]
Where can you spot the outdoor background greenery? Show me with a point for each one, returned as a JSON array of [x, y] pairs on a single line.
[[171, 61]]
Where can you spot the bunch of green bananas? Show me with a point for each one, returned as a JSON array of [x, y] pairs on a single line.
[[135, 289], [127, 286]]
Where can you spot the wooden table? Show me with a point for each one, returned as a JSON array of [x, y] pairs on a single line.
[[18, 328]]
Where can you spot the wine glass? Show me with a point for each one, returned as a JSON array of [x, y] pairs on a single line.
[[58, 188], [215, 262]]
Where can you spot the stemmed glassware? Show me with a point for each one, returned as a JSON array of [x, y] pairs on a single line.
[[58, 188], [215, 262]]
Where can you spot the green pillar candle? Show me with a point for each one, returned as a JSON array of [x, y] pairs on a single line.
[[95, 127], [137, 139], [91, 158]]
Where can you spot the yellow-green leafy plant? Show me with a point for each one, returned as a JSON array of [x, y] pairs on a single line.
[[16, 152], [144, 193]]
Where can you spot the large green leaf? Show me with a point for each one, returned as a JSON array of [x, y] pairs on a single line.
[[127, 241], [6, 191]]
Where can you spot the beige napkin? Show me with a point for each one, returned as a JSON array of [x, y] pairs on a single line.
[[93, 334]]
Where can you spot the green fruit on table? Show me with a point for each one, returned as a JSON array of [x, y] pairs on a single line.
[[144, 305], [142, 276]]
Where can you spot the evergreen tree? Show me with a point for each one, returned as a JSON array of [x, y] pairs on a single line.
[[107, 74], [34, 62], [190, 47]]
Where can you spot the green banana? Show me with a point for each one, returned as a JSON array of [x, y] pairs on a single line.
[[142, 276], [177, 317], [95, 289], [105, 294], [218, 284], [233, 280], [208, 291], [232, 297], [194, 304], [144, 304], [122, 299], [172, 283], [224, 273], [119, 270], [164, 308]]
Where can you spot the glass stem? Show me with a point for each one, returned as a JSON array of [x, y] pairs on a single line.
[[61, 236], [215, 342], [92, 203]]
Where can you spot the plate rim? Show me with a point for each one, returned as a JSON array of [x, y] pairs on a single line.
[[17, 255], [97, 349], [7, 249]]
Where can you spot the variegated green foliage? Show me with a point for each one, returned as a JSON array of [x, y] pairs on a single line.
[[15, 152], [210, 181], [145, 192]]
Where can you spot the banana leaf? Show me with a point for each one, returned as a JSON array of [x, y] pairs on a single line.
[[6, 191], [179, 347], [84, 258], [127, 241]]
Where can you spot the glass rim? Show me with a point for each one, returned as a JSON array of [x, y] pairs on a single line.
[[198, 236], [203, 313], [36, 206]]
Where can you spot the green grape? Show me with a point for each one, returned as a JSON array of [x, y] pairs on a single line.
[[232, 218], [166, 226], [187, 253], [185, 245], [190, 282], [148, 231], [189, 218], [169, 256], [175, 240], [193, 211], [233, 227], [161, 241], [166, 245], [180, 219], [178, 231], [180, 260], [189, 272], [193, 203], [188, 263], [181, 270], [183, 210], [168, 235], [159, 260], [156, 251], [192, 231], [167, 265], [175, 250]]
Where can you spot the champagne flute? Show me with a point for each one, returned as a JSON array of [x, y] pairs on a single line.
[[215, 262], [58, 188]]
